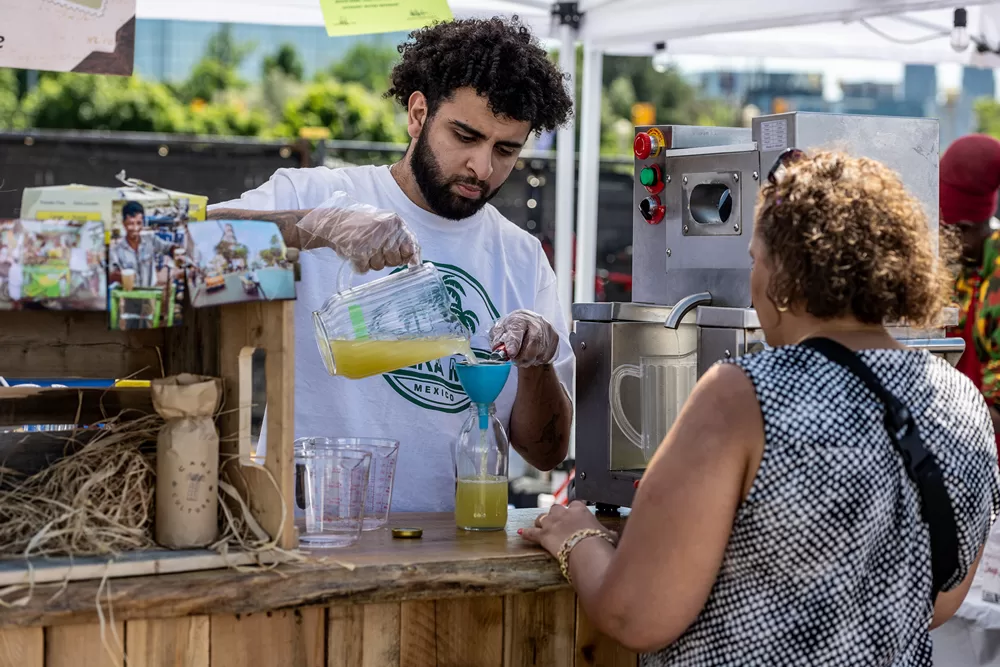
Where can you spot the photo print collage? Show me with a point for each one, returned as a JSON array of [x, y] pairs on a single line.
[[137, 252]]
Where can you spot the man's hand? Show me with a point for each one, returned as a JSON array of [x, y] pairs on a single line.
[[368, 237], [526, 337]]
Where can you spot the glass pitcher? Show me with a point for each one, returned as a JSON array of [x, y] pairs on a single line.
[[665, 382], [401, 320]]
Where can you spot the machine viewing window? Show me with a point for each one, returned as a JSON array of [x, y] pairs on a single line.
[[711, 203]]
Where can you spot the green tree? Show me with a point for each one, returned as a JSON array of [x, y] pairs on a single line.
[[368, 65], [988, 117], [9, 97], [629, 79], [223, 48], [88, 102], [218, 69], [227, 118], [286, 61], [208, 79], [347, 109]]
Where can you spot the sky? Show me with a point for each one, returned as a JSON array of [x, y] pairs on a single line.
[[949, 75]]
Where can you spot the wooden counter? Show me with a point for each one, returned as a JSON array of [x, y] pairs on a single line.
[[451, 598]]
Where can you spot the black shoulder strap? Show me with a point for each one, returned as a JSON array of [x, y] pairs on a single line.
[[920, 464]]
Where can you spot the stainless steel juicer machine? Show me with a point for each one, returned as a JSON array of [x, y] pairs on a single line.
[[693, 216]]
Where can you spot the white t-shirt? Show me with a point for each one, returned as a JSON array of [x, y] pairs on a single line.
[[497, 268]]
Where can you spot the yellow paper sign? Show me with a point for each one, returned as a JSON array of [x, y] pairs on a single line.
[[314, 133], [643, 114], [368, 17]]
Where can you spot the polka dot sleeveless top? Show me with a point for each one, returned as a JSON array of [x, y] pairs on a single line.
[[828, 562]]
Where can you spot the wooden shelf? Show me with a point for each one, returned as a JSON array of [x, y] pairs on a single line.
[[32, 405]]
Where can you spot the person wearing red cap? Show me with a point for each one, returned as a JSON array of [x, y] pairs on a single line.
[[970, 180]]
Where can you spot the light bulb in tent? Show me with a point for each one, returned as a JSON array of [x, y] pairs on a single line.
[[661, 59], [960, 33]]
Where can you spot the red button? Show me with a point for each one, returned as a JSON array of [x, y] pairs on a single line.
[[643, 145]]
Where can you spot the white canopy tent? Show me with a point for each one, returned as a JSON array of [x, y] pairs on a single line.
[[814, 29], [917, 38]]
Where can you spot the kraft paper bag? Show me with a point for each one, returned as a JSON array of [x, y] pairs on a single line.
[[187, 461]]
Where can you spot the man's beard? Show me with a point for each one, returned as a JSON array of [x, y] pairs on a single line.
[[437, 190]]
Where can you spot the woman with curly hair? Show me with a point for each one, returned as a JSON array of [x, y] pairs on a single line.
[[777, 523], [474, 92]]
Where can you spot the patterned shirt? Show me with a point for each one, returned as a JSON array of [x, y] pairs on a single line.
[[829, 559], [977, 291]]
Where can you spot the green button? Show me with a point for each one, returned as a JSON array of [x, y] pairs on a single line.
[[647, 176]]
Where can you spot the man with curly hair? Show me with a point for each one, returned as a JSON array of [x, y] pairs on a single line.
[[474, 92]]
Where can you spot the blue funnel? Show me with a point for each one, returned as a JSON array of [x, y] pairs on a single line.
[[483, 382]]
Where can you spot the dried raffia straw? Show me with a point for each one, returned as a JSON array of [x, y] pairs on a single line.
[[98, 500], [106, 585], [95, 501]]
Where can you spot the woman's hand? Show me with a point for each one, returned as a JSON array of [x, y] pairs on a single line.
[[556, 526]]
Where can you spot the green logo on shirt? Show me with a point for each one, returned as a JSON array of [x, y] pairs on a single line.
[[434, 385]]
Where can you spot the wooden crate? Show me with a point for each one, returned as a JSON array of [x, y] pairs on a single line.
[[218, 342], [544, 629]]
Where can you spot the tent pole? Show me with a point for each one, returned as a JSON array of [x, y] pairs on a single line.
[[590, 162], [566, 177]]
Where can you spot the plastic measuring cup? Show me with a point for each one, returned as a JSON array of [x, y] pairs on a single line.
[[331, 485], [380, 479]]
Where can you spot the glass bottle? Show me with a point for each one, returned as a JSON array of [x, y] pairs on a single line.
[[481, 459]]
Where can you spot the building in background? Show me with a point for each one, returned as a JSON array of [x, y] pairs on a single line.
[[916, 95], [920, 86], [768, 91], [169, 50]]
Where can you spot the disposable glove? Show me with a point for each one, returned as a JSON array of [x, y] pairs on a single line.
[[368, 237], [526, 338]]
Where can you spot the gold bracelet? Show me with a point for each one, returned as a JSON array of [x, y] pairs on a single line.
[[575, 539]]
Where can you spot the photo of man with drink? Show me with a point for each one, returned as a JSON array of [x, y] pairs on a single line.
[[143, 276]]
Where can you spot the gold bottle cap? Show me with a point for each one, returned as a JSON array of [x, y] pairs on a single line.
[[407, 533]]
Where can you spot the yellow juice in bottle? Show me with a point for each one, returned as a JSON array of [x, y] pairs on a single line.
[[356, 359], [481, 503]]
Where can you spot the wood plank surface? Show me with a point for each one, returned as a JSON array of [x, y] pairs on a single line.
[[285, 638], [460, 619], [22, 647], [594, 649], [539, 629], [380, 636], [445, 563], [83, 646], [28, 405], [53, 344], [168, 642], [194, 346], [417, 641], [345, 635], [267, 326]]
